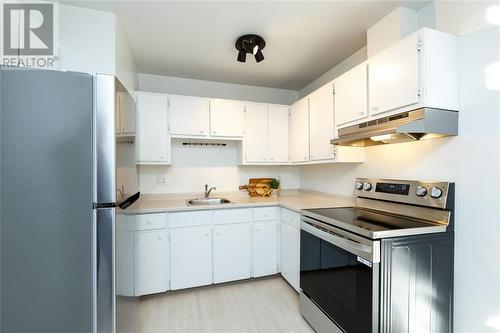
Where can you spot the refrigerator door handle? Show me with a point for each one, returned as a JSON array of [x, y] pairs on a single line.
[[122, 204], [129, 201]]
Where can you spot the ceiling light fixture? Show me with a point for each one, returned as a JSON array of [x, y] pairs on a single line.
[[252, 44]]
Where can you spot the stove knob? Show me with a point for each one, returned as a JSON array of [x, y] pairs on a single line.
[[367, 186], [421, 191], [436, 192], [359, 186]]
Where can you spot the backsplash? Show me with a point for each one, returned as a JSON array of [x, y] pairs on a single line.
[[194, 166]]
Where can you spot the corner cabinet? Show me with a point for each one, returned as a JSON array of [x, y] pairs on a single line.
[[321, 124], [153, 145], [351, 95], [125, 114], [227, 119], [299, 131]]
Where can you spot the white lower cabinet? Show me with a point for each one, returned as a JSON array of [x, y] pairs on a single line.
[[151, 262], [142, 254], [265, 248], [290, 247], [232, 252], [190, 257]]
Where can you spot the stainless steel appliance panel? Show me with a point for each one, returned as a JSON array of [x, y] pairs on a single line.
[[106, 302], [46, 201]]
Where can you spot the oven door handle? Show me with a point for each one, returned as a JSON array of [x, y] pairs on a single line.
[[370, 253]]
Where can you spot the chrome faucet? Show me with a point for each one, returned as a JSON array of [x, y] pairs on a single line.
[[207, 191]]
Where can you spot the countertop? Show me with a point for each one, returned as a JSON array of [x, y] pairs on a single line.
[[291, 199]]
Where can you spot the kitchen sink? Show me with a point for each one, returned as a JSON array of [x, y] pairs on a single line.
[[208, 201]]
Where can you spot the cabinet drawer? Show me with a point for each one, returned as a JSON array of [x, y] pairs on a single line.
[[226, 216], [125, 222], [186, 219], [150, 221], [290, 217], [266, 213]]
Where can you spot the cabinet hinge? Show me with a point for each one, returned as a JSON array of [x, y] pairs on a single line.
[[333, 91], [420, 91], [420, 45]]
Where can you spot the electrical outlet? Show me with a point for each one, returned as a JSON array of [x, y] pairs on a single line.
[[161, 180]]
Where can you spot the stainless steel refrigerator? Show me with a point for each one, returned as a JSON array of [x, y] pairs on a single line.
[[57, 203]]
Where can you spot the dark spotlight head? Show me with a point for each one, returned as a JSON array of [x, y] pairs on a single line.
[[259, 56], [252, 44], [242, 55]]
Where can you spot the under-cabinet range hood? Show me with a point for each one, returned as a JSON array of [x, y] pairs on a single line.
[[424, 123]]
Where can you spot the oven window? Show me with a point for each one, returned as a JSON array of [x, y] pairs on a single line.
[[336, 281]]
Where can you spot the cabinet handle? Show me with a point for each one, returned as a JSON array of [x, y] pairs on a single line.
[[272, 158], [148, 222], [206, 234], [257, 229], [160, 238], [305, 157], [213, 132], [362, 113], [201, 132], [374, 108], [263, 158], [312, 156], [162, 157]]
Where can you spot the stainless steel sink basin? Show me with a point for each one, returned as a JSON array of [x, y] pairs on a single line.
[[209, 201]]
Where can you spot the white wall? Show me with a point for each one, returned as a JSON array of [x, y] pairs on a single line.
[[336, 71], [125, 67], [471, 160], [86, 40], [195, 166], [181, 86]]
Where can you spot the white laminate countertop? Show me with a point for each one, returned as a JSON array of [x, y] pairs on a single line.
[[291, 199]]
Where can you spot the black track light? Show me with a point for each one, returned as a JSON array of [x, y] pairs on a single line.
[[252, 44]]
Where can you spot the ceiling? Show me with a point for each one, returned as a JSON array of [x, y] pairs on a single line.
[[196, 39]]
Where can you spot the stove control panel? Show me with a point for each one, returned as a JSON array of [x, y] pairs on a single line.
[[422, 193]]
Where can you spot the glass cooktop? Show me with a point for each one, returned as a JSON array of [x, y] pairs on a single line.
[[367, 222]]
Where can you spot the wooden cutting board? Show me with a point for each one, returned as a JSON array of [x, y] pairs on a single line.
[[258, 187]]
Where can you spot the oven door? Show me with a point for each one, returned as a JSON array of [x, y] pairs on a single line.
[[339, 272]]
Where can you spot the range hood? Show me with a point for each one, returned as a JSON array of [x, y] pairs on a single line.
[[419, 124]]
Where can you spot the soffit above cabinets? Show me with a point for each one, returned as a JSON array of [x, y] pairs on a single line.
[[196, 39]]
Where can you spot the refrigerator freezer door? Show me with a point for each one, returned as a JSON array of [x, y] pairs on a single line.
[[46, 201]]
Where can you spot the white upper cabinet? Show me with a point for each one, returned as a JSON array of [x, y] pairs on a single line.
[[125, 115], [351, 95], [299, 131], [321, 123], [394, 76], [277, 119], [227, 118], [152, 138], [189, 116], [421, 70], [266, 134], [256, 134]]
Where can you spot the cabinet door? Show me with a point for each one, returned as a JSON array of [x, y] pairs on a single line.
[[394, 76], [321, 124], [256, 143], [277, 119], [265, 248], [232, 252], [299, 131], [152, 138], [124, 265], [189, 116], [351, 95], [151, 262], [227, 118], [190, 257], [127, 113], [290, 254]]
